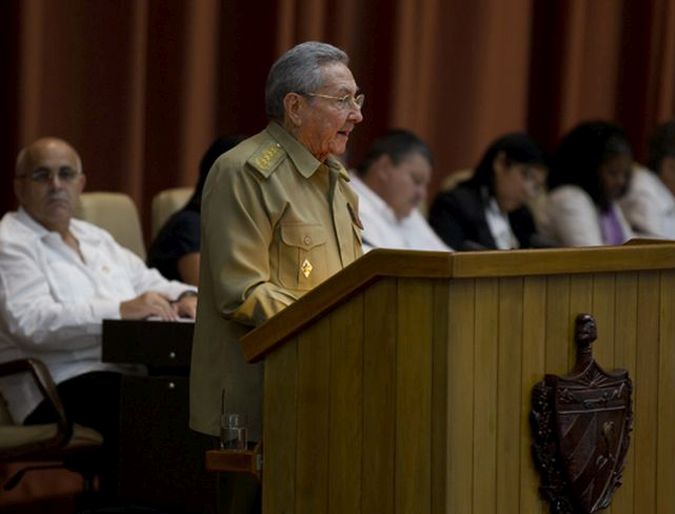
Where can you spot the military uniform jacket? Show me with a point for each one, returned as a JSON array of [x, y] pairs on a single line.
[[276, 222]]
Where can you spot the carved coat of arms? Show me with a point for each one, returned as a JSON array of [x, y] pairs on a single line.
[[581, 427]]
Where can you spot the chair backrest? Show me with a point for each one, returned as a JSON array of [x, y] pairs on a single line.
[[165, 203], [453, 179], [51, 445], [116, 213]]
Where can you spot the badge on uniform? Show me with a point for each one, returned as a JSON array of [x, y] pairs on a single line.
[[306, 268]]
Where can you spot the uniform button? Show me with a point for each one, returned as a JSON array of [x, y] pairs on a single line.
[[307, 240]]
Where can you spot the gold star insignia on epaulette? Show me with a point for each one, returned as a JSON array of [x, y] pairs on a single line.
[[263, 160], [306, 268]]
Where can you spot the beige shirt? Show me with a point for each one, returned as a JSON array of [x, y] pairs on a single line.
[[276, 222]]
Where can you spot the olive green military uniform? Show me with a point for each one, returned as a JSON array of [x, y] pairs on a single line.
[[276, 222]]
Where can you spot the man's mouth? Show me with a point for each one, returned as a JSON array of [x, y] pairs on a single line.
[[57, 199]]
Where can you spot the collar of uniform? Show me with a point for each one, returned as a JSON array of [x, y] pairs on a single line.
[[335, 164], [303, 160]]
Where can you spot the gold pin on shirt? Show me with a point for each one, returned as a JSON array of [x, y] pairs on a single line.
[[306, 268]]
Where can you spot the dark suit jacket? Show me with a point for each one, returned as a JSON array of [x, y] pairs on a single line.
[[458, 217]]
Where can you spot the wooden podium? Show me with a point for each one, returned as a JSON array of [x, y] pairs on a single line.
[[402, 384]]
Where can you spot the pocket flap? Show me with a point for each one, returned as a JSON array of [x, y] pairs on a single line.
[[303, 236]]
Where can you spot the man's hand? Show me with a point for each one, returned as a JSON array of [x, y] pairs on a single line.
[[150, 304], [186, 307]]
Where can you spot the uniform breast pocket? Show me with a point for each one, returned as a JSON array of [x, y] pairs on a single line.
[[302, 256]]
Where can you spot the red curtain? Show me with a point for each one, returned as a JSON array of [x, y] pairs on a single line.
[[140, 87]]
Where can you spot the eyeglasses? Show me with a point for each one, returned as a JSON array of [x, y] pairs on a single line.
[[44, 175], [344, 103]]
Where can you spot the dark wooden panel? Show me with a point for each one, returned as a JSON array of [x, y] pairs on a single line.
[[346, 408], [161, 459], [280, 430], [379, 397], [157, 344]]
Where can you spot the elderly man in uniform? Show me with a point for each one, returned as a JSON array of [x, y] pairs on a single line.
[[59, 278], [278, 218]]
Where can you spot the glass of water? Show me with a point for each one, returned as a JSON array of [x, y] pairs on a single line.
[[233, 434]]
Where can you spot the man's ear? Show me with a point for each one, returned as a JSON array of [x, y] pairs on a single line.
[[382, 167], [292, 108], [83, 182]]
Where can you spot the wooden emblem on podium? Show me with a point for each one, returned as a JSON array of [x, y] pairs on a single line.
[[581, 426]]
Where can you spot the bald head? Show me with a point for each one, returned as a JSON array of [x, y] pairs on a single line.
[[32, 153], [48, 181]]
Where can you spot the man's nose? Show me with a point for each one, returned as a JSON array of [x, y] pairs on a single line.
[[355, 116], [54, 181]]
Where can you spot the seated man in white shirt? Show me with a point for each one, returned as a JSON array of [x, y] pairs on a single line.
[[649, 205], [392, 183], [59, 278]]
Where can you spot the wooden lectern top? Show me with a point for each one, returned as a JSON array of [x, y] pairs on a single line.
[[444, 265]]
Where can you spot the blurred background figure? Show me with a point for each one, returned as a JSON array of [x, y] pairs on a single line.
[[175, 250], [649, 205], [591, 171], [392, 183], [489, 210]]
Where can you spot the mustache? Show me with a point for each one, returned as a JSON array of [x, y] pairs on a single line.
[[58, 195]]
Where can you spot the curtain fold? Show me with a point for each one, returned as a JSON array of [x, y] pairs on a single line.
[[141, 87]]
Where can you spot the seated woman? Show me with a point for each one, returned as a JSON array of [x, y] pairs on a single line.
[[591, 170], [488, 211], [175, 250], [649, 204]]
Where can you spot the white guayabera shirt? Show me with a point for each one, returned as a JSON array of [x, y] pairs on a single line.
[[381, 228], [52, 303]]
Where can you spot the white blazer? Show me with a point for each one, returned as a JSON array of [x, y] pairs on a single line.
[[649, 205], [574, 220]]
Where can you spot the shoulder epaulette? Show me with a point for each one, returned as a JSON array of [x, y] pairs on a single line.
[[267, 157]]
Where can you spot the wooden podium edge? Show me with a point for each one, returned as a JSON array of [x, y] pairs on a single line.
[[416, 264]]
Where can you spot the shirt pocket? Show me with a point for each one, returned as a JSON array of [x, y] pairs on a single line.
[[67, 282], [302, 256]]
